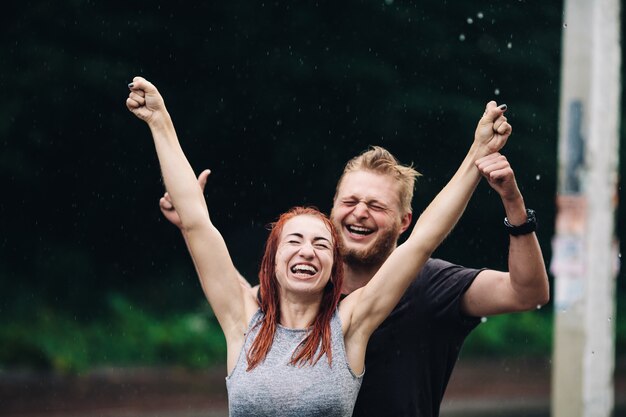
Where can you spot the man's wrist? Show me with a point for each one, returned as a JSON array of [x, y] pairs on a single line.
[[514, 206], [529, 226]]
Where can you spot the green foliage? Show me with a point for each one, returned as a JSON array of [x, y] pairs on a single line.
[[525, 334], [529, 334], [129, 336], [126, 336], [48, 341]]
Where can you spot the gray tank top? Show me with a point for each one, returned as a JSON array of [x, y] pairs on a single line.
[[276, 388]]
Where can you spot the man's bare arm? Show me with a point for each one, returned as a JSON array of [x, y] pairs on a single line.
[[525, 286]]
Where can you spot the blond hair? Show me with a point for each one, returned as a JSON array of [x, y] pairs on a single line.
[[380, 161]]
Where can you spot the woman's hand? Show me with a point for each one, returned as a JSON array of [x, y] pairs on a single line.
[[144, 100], [493, 129]]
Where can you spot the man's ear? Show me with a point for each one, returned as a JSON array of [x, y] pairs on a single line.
[[405, 222]]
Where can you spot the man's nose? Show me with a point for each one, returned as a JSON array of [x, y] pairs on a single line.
[[361, 210]]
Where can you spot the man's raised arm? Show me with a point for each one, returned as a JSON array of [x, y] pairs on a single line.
[[525, 286]]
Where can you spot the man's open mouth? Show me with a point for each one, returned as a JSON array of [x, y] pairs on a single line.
[[359, 230]]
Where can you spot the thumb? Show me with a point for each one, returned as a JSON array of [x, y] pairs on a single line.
[[165, 204], [202, 178]]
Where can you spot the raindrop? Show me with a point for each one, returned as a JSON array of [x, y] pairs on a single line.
[[388, 2], [470, 20], [279, 122], [538, 306], [609, 319], [483, 319], [496, 91], [461, 37], [509, 45], [538, 177], [619, 255], [480, 15], [564, 25]]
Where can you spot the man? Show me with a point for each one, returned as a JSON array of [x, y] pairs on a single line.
[[410, 357]]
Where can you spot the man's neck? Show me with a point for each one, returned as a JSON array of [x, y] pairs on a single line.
[[357, 276]]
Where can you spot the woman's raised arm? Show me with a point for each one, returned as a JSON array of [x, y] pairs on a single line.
[[219, 279]]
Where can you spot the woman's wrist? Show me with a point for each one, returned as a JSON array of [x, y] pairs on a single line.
[[160, 121]]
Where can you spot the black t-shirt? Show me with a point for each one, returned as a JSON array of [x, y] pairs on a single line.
[[411, 355]]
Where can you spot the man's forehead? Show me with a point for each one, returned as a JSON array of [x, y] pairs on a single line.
[[369, 186]]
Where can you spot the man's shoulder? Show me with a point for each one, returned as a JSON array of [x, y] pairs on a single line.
[[437, 264], [432, 268]]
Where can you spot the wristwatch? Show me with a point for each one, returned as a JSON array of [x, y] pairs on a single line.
[[523, 229]]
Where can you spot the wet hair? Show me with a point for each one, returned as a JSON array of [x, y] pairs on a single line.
[[319, 335], [379, 160]]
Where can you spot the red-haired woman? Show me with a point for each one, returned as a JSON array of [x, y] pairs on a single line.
[[300, 352]]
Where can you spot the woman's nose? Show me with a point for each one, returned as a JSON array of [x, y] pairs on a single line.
[[306, 250]]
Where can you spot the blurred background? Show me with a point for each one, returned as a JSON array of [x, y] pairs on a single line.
[[273, 97]]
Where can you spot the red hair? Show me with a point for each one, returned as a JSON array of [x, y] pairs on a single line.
[[319, 335]]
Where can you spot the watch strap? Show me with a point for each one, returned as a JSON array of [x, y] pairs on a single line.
[[523, 229]]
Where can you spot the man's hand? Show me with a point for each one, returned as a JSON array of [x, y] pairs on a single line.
[[144, 100], [493, 130], [169, 211], [167, 208], [499, 174]]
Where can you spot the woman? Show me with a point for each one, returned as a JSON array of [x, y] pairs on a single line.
[[301, 352]]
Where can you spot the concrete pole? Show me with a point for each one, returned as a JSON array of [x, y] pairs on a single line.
[[584, 249]]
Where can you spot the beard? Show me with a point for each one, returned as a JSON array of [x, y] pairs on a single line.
[[376, 253]]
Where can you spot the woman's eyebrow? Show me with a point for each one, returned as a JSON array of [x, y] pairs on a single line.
[[301, 236]]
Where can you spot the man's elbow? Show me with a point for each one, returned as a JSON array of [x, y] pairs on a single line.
[[543, 299], [536, 298]]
